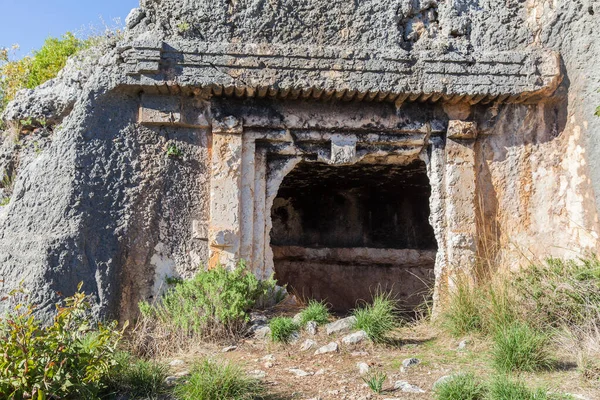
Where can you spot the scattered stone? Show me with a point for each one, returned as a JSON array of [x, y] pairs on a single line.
[[363, 368], [442, 380], [355, 338], [262, 333], [229, 349], [330, 348], [269, 364], [300, 372], [176, 363], [294, 337], [171, 380], [410, 362], [257, 374], [407, 387], [308, 344], [359, 354], [463, 345], [340, 326], [311, 328], [269, 357]]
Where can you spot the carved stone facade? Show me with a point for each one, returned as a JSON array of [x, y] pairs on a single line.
[[342, 146]]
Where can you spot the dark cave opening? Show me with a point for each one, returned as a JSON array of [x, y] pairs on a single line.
[[342, 233]]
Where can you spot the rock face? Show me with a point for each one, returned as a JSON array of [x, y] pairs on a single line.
[[193, 139]]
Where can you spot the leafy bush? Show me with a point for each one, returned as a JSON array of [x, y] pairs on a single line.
[[31, 71], [460, 387], [213, 304], [518, 347], [377, 319], [69, 358], [282, 329], [210, 380], [315, 311], [137, 378], [375, 381]]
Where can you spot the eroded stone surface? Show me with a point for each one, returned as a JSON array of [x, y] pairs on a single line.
[[249, 91]]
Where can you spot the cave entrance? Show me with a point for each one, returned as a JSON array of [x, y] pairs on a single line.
[[341, 233]]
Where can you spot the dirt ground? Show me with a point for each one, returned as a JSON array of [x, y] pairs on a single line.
[[336, 376]]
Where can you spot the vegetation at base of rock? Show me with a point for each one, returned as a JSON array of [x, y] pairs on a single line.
[[211, 380], [213, 304], [460, 387], [43, 65], [316, 311], [463, 314], [377, 319], [70, 358], [519, 347], [282, 329], [503, 387], [137, 378], [375, 381]]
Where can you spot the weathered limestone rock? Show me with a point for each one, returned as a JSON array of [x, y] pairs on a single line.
[[341, 325], [332, 347], [167, 150], [355, 338]]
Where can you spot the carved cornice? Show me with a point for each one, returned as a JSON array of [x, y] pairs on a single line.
[[317, 72]]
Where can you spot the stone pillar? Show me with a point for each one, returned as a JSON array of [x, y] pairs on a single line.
[[461, 201], [224, 229]]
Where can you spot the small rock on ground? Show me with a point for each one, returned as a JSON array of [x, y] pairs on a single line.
[[308, 344], [262, 333], [257, 374], [341, 325], [229, 349], [300, 372], [363, 368], [407, 387], [410, 362], [463, 345], [330, 348], [311, 328], [355, 337], [294, 337]]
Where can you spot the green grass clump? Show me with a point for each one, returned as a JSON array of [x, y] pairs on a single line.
[[460, 387], [519, 347], [315, 311], [375, 381], [377, 319], [463, 314], [282, 329], [210, 380], [138, 378], [503, 388]]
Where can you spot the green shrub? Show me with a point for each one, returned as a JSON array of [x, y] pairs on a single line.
[[377, 319], [137, 378], [560, 292], [315, 311], [68, 359], [375, 381], [282, 329], [460, 387], [463, 313], [519, 347], [213, 303], [31, 71], [210, 380]]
